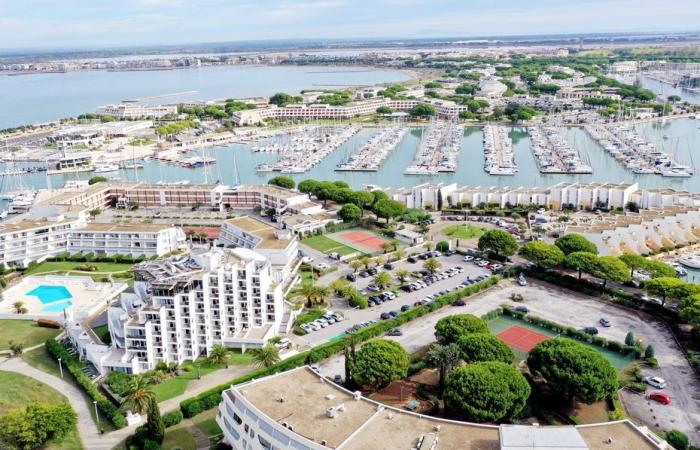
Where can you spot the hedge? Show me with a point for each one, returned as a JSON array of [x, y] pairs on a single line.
[[211, 398], [172, 418], [76, 369], [572, 332]]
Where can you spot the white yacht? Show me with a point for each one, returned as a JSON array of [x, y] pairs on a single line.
[[692, 261], [104, 168]]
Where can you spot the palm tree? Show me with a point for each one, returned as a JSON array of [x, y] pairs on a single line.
[[432, 265], [382, 279], [308, 291], [366, 261], [218, 355], [267, 356], [428, 245], [137, 395], [387, 246], [401, 274], [323, 293], [355, 264], [19, 306], [379, 261]]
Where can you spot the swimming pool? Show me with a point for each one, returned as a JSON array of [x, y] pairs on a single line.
[[50, 294], [57, 306]]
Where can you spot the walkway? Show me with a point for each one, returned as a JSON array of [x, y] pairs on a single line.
[[89, 434]]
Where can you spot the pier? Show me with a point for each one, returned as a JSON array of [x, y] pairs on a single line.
[[375, 151], [438, 149], [554, 154], [498, 151]]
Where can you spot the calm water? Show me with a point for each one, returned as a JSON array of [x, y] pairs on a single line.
[[682, 133], [42, 97]]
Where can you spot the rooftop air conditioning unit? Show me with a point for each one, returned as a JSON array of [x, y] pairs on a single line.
[[357, 395], [330, 412]]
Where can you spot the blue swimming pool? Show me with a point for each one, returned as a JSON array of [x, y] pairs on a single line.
[[50, 294], [57, 306]]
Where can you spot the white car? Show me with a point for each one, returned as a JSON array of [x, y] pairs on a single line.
[[323, 266], [657, 382], [467, 258], [307, 259], [284, 343]]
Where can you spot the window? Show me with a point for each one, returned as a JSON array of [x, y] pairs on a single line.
[[237, 419], [265, 443]]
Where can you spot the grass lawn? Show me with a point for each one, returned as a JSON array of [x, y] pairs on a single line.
[[17, 391], [178, 437], [67, 266], [463, 231], [102, 332], [24, 331], [327, 245], [207, 423], [174, 386]]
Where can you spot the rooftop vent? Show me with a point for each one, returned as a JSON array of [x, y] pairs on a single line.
[[357, 395], [330, 397], [324, 442], [281, 399], [609, 441]]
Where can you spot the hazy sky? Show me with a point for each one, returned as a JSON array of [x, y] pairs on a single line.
[[98, 23]]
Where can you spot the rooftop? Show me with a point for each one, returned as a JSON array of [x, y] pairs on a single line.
[[116, 228], [267, 233], [300, 398]]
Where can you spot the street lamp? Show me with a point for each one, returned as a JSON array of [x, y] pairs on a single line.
[[97, 415], [199, 376], [60, 367]]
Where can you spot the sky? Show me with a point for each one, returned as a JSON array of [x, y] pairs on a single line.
[[115, 23]]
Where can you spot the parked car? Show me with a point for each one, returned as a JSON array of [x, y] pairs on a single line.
[[657, 382], [590, 330], [405, 308], [351, 277], [284, 343], [412, 259], [389, 266], [605, 322], [459, 303], [395, 332], [467, 258], [372, 271], [323, 266], [385, 316], [338, 379], [364, 274], [522, 309], [660, 397]]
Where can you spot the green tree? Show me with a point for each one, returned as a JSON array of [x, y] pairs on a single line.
[[282, 181], [382, 280], [366, 261], [664, 287], [649, 352], [218, 355], [633, 262], [572, 242], [450, 328], [482, 347], [282, 99], [498, 242], [486, 392], [155, 429], [629, 338], [267, 356], [350, 213], [657, 269], [610, 268], [542, 254], [388, 209], [30, 428], [308, 186], [422, 110], [355, 264], [384, 110], [364, 199], [572, 370], [97, 179], [442, 246], [444, 358], [432, 265], [378, 363], [137, 395], [678, 440], [580, 261]]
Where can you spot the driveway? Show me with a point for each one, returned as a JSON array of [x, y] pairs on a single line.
[[572, 309]]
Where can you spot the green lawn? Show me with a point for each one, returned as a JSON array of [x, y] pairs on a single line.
[[326, 245], [24, 331], [501, 323], [67, 266], [17, 391], [174, 386], [178, 438], [207, 423], [102, 332], [463, 231]]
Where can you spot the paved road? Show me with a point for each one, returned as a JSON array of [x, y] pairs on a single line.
[[572, 309], [354, 316]]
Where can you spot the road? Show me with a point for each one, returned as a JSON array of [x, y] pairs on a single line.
[[576, 310]]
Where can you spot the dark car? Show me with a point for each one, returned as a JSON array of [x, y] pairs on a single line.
[[406, 288], [412, 259], [385, 316], [389, 266], [338, 379], [395, 332], [364, 274], [449, 253], [522, 309], [590, 330], [393, 314], [351, 277], [405, 308], [372, 271], [459, 303]]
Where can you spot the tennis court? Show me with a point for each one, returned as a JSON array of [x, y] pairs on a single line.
[[361, 240], [521, 338]]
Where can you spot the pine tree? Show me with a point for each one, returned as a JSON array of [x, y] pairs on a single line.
[[155, 429], [629, 339]]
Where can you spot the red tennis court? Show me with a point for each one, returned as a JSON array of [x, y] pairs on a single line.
[[363, 239], [521, 338]]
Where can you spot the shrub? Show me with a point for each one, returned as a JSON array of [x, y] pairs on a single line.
[[172, 418], [677, 439], [118, 382]]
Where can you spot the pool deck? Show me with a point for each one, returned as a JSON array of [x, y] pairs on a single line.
[[86, 296]]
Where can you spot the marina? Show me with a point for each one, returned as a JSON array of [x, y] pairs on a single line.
[[375, 151], [498, 151], [554, 154], [308, 148], [637, 154], [440, 144]]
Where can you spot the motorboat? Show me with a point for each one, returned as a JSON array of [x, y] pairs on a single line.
[[692, 261], [104, 168]]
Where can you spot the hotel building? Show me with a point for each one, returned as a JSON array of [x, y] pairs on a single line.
[[136, 240], [135, 110], [301, 410]]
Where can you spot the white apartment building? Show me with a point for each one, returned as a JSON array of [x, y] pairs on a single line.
[[135, 110], [180, 307], [279, 246], [423, 196], [136, 240]]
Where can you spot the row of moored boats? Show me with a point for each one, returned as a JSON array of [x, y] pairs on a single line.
[[373, 153], [554, 154], [438, 149], [498, 151]]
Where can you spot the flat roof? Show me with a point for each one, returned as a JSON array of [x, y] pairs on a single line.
[[117, 228], [264, 231], [300, 398]]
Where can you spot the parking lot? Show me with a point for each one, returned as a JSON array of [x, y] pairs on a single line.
[[356, 316], [571, 309]]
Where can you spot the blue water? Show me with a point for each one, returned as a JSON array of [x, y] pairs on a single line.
[[57, 306], [50, 294]]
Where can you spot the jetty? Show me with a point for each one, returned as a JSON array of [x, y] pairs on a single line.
[[553, 152], [438, 149], [498, 151], [375, 151]]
